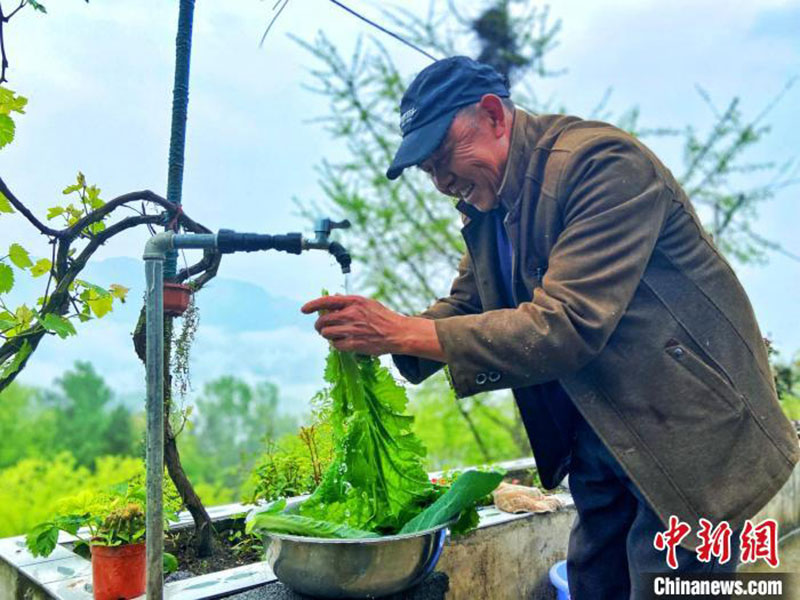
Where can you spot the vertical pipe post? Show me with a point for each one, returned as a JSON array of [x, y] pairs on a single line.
[[180, 108], [154, 274]]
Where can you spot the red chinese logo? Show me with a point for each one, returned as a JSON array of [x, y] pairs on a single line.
[[760, 541], [756, 541], [714, 541], [670, 538]]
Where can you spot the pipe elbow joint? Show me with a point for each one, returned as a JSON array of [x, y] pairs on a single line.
[[158, 245]]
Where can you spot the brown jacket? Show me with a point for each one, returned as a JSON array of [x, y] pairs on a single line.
[[625, 305]]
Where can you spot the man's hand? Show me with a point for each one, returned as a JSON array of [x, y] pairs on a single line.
[[363, 325]]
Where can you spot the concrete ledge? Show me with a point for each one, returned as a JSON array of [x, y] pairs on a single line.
[[509, 558]]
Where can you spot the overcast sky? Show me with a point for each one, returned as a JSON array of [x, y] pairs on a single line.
[[99, 80]]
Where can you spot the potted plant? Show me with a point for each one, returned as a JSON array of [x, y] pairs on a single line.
[[177, 297], [115, 523]]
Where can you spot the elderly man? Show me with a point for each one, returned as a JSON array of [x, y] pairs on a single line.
[[590, 287]]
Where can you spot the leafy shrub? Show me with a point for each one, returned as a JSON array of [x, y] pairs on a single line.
[[32, 489], [293, 466]]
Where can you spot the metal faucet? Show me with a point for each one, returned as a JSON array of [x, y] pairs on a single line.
[[323, 228]]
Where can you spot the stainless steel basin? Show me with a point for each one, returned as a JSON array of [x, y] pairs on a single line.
[[354, 568]]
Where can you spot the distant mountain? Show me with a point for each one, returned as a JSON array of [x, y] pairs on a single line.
[[244, 331], [231, 304]]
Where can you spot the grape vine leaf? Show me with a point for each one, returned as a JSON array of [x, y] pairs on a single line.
[[54, 211], [100, 306], [119, 291], [6, 278], [17, 360], [19, 256], [6, 130], [58, 325], [11, 102], [5, 205], [41, 267]]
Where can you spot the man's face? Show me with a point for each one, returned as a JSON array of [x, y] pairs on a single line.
[[469, 163]]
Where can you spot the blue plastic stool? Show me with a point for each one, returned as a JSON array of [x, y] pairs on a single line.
[[558, 577]]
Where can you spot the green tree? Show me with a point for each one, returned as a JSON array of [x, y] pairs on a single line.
[[32, 487], [88, 426], [787, 383], [121, 438], [233, 423], [26, 429], [470, 431]]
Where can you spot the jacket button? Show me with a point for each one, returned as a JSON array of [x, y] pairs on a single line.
[[677, 352], [480, 378], [494, 376]]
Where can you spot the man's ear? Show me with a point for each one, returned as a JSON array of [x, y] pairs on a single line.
[[494, 108]]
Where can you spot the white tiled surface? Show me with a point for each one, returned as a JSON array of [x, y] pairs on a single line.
[[75, 588], [59, 569], [223, 582], [14, 552]]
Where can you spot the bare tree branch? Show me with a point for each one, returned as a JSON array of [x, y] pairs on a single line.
[[43, 229]]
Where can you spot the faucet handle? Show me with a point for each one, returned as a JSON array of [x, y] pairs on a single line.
[[343, 224], [324, 226]]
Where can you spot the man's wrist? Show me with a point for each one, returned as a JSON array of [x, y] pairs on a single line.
[[418, 337]]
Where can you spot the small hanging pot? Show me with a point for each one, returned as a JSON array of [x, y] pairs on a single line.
[[176, 298]]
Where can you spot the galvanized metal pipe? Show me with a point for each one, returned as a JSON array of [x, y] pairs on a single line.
[[154, 313]]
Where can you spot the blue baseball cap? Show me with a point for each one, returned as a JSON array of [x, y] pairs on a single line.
[[437, 93]]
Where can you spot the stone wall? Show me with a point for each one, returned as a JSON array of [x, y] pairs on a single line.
[[508, 559]]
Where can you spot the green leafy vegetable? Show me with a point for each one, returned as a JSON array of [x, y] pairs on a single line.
[[306, 526], [376, 481], [462, 496]]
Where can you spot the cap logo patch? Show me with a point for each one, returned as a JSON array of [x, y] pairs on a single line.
[[407, 116]]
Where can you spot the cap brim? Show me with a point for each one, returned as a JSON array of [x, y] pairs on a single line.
[[419, 144]]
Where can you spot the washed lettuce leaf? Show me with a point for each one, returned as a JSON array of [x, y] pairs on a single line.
[[458, 501], [377, 480], [298, 525]]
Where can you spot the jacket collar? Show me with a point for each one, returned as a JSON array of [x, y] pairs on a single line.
[[524, 136], [519, 148]]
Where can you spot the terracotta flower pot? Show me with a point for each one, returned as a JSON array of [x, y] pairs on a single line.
[[176, 298], [118, 571]]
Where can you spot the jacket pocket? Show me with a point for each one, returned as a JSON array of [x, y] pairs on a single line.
[[705, 374]]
